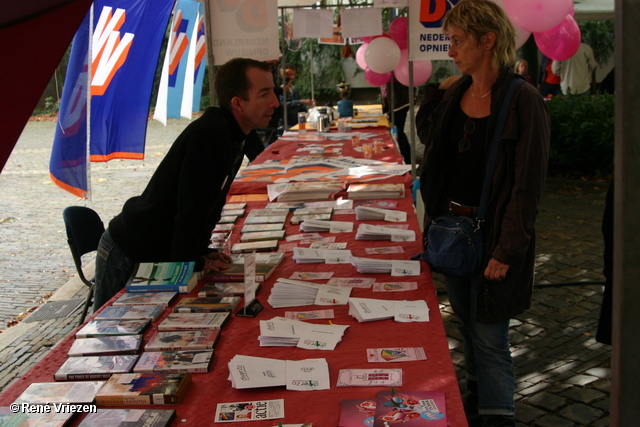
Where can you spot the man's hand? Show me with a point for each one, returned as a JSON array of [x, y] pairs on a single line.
[[217, 261], [496, 270]]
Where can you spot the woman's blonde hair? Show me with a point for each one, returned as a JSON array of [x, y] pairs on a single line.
[[521, 61], [479, 17]]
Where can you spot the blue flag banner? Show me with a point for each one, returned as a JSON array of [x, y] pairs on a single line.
[[125, 46], [184, 21]]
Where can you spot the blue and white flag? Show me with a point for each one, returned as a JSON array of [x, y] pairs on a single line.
[[125, 46]]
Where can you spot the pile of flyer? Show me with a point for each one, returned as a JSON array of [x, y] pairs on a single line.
[[254, 372], [283, 332], [369, 213], [293, 293], [377, 232], [369, 309]]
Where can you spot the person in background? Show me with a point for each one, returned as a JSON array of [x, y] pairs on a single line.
[[295, 103], [522, 68], [548, 83], [456, 123], [400, 105], [575, 72], [173, 218]]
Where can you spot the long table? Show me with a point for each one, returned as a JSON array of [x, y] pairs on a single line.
[[240, 335]]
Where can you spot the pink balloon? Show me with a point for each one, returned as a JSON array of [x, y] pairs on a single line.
[[561, 42], [362, 63], [537, 16], [398, 31], [376, 79], [421, 70], [521, 35]]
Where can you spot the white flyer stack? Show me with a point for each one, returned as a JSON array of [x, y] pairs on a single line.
[[254, 372]]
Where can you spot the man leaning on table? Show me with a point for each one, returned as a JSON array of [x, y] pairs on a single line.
[[173, 218]]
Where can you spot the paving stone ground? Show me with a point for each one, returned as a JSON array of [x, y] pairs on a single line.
[[562, 373]]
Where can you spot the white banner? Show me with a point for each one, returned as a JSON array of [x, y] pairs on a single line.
[[244, 28], [426, 39], [361, 22]]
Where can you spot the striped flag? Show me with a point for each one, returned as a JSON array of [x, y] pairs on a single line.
[[123, 43]]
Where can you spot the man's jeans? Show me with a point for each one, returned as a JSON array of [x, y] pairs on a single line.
[[486, 349], [113, 270]]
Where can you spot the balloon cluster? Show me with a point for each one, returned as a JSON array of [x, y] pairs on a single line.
[[381, 55], [551, 21]]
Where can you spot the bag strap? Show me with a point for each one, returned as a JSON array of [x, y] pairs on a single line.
[[493, 153]]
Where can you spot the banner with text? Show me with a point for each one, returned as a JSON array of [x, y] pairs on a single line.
[[244, 28], [125, 46], [426, 39]]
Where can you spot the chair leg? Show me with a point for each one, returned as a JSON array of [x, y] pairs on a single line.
[[85, 308]]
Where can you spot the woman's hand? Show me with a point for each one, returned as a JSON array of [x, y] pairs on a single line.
[[217, 261], [496, 270], [448, 82]]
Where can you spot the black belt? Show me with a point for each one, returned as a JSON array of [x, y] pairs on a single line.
[[459, 209]]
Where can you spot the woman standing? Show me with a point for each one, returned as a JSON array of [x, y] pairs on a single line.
[[456, 122]]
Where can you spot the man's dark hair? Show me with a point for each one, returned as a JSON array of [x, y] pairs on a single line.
[[231, 79]]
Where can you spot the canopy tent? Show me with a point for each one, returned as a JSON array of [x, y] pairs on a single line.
[[34, 34]]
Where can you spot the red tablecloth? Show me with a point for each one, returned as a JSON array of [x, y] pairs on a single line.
[[322, 408]]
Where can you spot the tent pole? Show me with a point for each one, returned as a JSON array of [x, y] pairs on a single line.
[[210, 70], [412, 118], [89, 73]]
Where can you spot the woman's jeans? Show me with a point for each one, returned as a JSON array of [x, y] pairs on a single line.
[[113, 270], [486, 349]]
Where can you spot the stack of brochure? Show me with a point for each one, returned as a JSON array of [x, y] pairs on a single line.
[[369, 309], [318, 226], [376, 232], [293, 293], [371, 265], [368, 213], [280, 331], [254, 372], [303, 191], [328, 256]]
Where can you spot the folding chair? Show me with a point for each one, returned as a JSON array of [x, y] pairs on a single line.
[[84, 229]]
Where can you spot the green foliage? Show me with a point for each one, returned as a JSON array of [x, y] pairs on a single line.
[[327, 73], [600, 36], [582, 134]]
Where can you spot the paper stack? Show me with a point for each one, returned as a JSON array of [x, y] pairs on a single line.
[[254, 372], [283, 332], [292, 293], [376, 191], [368, 213], [318, 226], [371, 265], [376, 232], [307, 191], [328, 256], [369, 309]]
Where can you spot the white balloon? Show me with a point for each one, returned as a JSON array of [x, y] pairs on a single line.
[[382, 55]]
